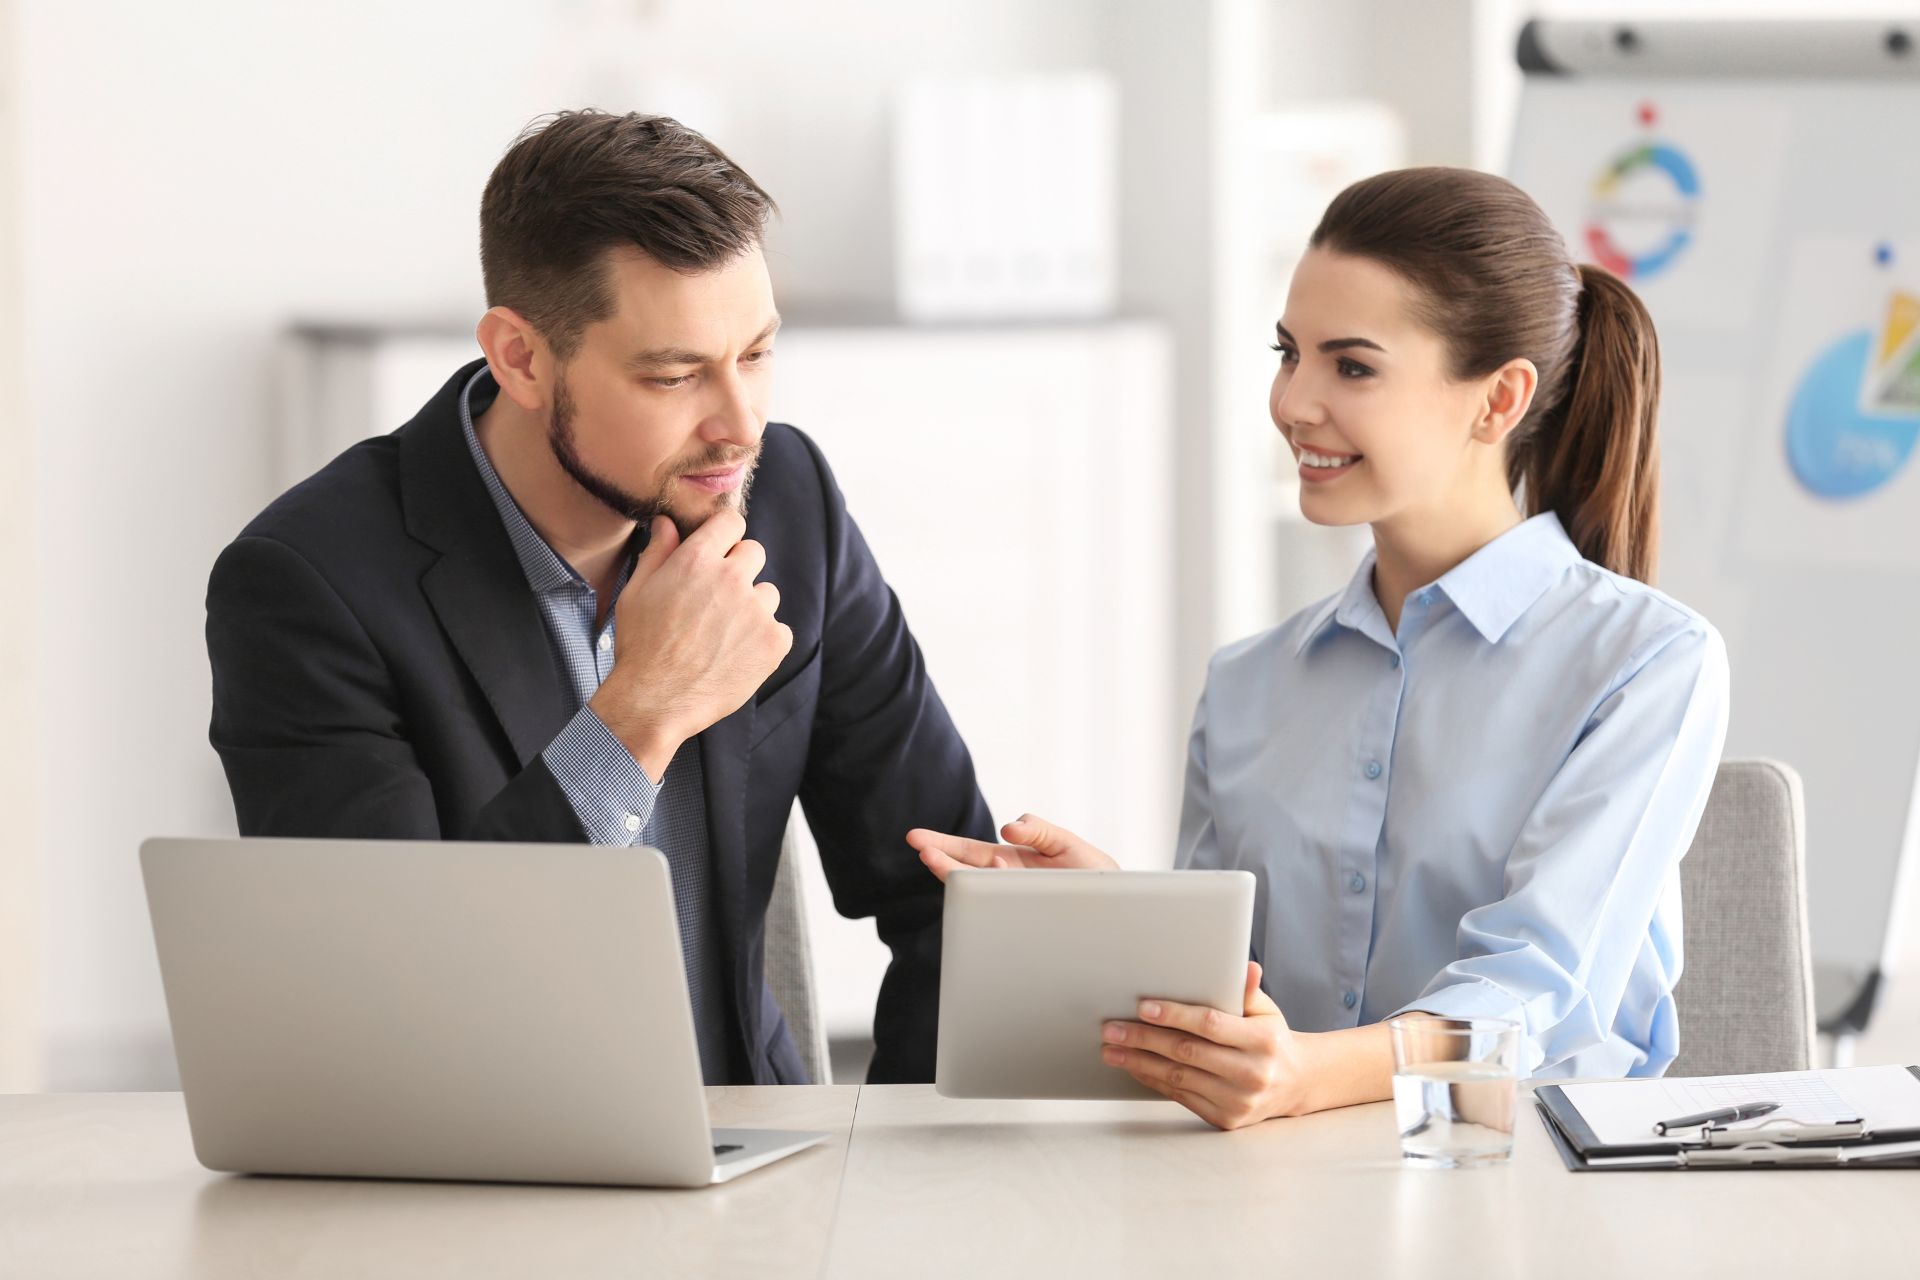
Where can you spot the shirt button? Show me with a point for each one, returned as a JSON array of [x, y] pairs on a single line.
[[633, 823], [1349, 999], [1358, 882], [1396, 660], [606, 642], [1373, 768], [1426, 597]]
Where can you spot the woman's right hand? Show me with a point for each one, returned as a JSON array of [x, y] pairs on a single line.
[[1031, 842]]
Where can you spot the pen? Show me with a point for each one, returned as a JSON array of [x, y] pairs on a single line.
[[1725, 1115]]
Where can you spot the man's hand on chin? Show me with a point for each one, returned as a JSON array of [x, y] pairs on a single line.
[[695, 635]]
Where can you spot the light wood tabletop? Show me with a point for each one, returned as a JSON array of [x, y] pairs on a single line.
[[106, 1187], [912, 1184], [1143, 1188]]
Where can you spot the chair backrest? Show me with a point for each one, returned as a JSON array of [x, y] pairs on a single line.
[[790, 963], [1745, 994]]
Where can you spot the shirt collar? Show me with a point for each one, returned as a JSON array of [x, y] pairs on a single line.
[[1491, 588], [545, 569], [1356, 609], [1503, 579]]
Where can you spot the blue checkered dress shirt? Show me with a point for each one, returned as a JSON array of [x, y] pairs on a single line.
[[616, 802]]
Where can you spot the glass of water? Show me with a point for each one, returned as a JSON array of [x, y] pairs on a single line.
[[1454, 1085]]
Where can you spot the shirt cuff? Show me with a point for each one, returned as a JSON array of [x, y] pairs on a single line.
[[1480, 1000], [609, 791]]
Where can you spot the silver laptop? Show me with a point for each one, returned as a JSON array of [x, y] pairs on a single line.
[[398, 1009], [1032, 963]]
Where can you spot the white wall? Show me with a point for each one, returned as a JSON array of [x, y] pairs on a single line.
[[20, 918], [194, 176]]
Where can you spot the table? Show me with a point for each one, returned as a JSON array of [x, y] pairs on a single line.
[[106, 1187], [912, 1184]]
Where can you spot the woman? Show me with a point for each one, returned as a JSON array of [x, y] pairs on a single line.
[[1464, 784]]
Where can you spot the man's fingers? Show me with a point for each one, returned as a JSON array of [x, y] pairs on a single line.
[[722, 529], [663, 539], [1197, 1020], [748, 556], [769, 596]]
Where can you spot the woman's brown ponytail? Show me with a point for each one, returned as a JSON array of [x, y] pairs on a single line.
[[1593, 459], [1497, 282]]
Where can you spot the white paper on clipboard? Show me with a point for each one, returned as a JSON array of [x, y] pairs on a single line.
[[1623, 1112]]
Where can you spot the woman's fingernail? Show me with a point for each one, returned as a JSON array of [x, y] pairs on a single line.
[[1112, 1057], [1149, 1009], [1114, 1032]]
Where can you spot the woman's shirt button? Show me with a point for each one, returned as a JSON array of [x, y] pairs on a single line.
[[1373, 768]]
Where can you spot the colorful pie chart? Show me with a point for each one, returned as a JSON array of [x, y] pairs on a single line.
[[1835, 450]]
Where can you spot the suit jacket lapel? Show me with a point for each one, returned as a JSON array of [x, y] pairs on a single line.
[[496, 628], [477, 588], [723, 766]]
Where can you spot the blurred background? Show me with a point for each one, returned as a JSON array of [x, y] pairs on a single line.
[[1030, 252]]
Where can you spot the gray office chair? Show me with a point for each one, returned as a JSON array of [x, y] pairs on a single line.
[[790, 963], [1745, 993]]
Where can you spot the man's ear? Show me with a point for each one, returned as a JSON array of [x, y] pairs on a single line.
[[1509, 393], [519, 357]]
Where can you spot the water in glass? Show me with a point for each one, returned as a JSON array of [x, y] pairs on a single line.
[[1454, 1113]]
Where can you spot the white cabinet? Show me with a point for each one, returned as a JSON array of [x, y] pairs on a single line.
[[1016, 486]]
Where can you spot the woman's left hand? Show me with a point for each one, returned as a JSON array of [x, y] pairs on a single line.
[[1230, 1071]]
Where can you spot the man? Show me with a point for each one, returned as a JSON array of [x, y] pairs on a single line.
[[534, 612]]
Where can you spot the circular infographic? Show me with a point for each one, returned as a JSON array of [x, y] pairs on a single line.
[[1838, 446], [1642, 213]]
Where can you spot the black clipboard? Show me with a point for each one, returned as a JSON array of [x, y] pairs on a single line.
[[1576, 1142]]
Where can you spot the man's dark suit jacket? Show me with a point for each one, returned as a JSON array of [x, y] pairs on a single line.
[[380, 670]]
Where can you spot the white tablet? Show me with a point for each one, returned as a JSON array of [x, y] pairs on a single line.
[[1033, 962]]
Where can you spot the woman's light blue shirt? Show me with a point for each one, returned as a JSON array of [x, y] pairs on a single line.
[[1481, 814]]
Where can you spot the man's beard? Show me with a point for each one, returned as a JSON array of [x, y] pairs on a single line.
[[640, 510]]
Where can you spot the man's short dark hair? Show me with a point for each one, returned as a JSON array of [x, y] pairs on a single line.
[[580, 183]]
